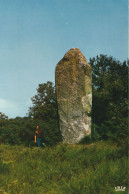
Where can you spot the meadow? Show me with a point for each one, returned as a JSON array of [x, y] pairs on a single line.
[[96, 168]]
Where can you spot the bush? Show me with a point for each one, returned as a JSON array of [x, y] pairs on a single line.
[[86, 140]]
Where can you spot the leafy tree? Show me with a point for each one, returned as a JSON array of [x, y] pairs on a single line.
[[17, 131], [44, 112], [23, 128], [3, 116], [110, 91], [3, 119]]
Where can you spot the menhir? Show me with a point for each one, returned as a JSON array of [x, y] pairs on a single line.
[[74, 96]]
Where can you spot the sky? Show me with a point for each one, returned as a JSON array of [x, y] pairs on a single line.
[[35, 35]]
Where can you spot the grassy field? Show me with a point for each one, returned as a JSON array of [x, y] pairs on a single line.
[[63, 169]]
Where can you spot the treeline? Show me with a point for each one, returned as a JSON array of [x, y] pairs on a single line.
[[109, 108], [110, 99]]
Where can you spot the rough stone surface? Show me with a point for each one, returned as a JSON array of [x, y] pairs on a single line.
[[74, 96]]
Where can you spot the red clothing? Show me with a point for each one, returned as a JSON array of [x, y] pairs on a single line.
[[39, 133]]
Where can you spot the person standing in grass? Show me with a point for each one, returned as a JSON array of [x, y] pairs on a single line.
[[38, 136]]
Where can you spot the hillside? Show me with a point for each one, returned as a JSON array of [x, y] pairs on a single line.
[[94, 168]]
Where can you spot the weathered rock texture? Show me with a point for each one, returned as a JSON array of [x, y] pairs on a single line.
[[74, 96]]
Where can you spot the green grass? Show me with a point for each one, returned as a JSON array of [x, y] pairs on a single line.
[[63, 169]]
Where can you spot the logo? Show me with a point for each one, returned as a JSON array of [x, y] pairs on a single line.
[[120, 188]]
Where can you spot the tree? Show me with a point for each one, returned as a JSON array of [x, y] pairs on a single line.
[[44, 112], [3, 116], [44, 103], [110, 91], [3, 119]]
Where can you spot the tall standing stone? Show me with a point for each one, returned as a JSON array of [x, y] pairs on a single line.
[[74, 96]]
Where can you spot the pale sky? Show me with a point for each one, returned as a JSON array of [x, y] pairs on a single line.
[[35, 35]]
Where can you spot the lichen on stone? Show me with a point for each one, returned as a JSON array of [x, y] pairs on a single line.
[[74, 95]]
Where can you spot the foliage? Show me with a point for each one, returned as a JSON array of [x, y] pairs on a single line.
[[86, 140], [44, 112], [17, 131], [109, 108], [3, 119], [44, 103], [95, 168], [3, 116], [110, 93]]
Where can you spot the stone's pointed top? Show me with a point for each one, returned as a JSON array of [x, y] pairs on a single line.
[[75, 49], [75, 53]]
